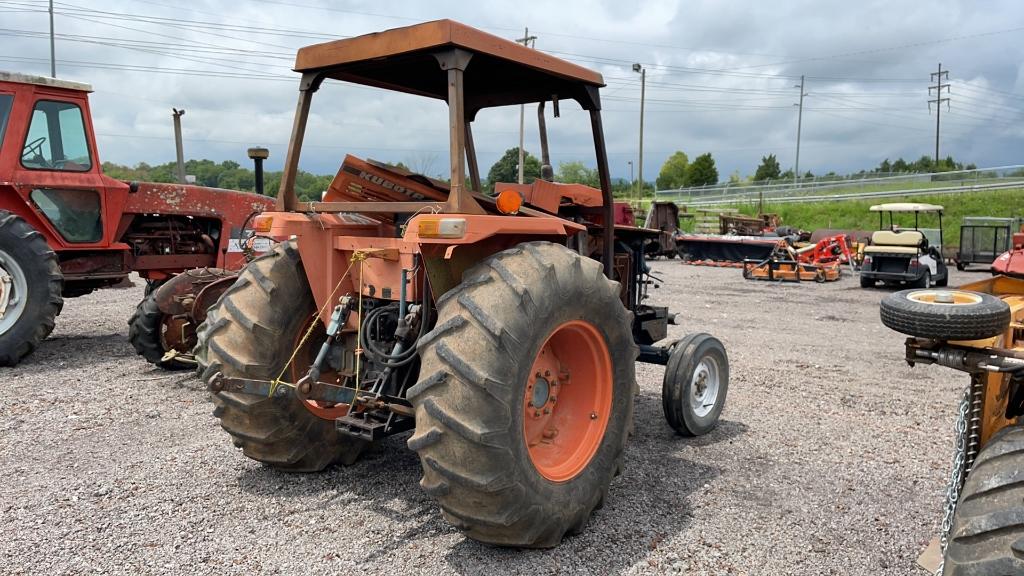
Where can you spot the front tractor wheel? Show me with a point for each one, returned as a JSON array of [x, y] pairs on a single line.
[[251, 333], [525, 396], [695, 385]]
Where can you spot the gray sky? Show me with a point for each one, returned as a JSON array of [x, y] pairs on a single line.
[[720, 79]]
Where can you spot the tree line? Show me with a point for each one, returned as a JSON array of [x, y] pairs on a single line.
[[676, 172]]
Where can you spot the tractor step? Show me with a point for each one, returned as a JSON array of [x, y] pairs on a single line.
[[365, 427]]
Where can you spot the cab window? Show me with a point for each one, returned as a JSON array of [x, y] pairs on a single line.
[[5, 112], [56, 138]]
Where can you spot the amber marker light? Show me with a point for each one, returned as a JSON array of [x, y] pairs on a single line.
[[509, 201], [262, 223]]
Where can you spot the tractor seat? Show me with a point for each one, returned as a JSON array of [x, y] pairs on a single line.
[[904, 242]]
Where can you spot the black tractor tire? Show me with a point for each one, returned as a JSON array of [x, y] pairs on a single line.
[[469, 399], [677, 385], [144, 330], [866, 282], [251, 333], [28, 251], [670, 254], [988, 526], [990, 316]]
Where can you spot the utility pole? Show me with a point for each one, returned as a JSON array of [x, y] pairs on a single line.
[[530, 41], [640, 166], [53, 50], [939, 86], [177, 143], [799, 128]]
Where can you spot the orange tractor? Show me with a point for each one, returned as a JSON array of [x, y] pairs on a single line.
[[502, 330]]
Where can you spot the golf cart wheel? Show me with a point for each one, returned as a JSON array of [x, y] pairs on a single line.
[[525, 396], [944, 314], [866, 282], [925, 281], [252, 332], [695, 385], [30, 289], [987, 529]]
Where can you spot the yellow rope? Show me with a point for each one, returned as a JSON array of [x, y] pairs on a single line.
[[361, 257], [357, 256]]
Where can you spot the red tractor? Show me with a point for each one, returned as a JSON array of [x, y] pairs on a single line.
[[66, 229]]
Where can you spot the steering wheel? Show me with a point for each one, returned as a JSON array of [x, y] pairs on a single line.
[[37, 146]]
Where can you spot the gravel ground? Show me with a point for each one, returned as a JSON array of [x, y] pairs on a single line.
[[830, 459]]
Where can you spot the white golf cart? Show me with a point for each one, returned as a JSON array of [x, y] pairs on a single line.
[[904, 255]]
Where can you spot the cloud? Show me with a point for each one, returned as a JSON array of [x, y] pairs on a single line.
[[720, 78]]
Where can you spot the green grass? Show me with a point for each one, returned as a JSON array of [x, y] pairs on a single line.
[[854, 214]]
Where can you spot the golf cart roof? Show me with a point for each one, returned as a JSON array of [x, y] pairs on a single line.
[[906, 207], [500, 72]]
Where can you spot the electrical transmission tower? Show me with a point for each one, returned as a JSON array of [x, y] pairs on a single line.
[[938, 77]]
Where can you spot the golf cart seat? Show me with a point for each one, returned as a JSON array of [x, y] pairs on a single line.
[[904, 242]]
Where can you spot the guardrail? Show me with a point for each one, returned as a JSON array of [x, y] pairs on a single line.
[[866, 195], [848, 187]]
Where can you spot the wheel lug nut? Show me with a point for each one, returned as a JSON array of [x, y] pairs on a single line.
[[547, 410], [547, 373], [593, 415]]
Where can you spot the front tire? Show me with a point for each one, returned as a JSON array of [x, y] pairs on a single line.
[[696, 383], [30, 289], [251, 332], [988, 525], [528, 326]]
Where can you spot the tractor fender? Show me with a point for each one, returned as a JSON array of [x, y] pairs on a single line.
[[177, 296]]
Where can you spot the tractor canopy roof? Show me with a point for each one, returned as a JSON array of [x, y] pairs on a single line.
[[17, 78], [906, 207], [499, 72]]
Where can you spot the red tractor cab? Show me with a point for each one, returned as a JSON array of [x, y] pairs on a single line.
[[67, 229]]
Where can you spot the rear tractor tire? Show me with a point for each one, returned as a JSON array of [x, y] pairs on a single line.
[[525, 396], [251, 332], [30, 289], [988, 526]]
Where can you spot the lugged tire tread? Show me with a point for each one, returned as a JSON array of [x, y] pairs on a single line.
[[240, 337], [987, 535], [49, 274], [463, 401]]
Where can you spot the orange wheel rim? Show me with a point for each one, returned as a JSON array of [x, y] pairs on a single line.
[[567, 401], [304, 359], [944, 297]]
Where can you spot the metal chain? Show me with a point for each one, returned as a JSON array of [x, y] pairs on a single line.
[[956, 476]]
